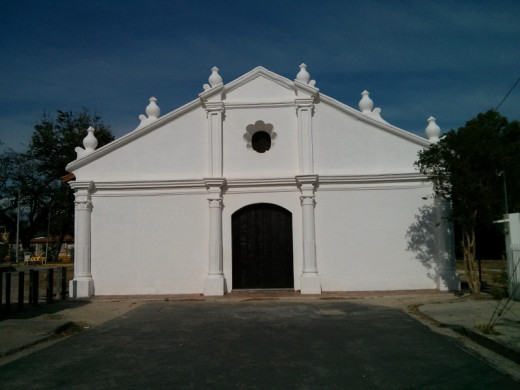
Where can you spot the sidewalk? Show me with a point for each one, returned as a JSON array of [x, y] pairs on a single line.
[[35, 326], [470, 318]]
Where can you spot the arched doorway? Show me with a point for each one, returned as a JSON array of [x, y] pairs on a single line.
[[262, 247]]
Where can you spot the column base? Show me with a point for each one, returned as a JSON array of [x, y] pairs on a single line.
[[81, 288], [214, 286], [310, 283]]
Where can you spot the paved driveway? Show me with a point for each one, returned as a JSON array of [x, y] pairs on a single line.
[[256, 345]]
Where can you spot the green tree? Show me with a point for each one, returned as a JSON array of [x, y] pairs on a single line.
[[36, 174], [463, 169]]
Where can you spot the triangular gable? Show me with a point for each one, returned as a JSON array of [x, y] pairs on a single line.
[[259, 71], [296, 88]]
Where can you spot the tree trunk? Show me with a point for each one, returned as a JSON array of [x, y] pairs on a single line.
[[470, 261], [56, 248]]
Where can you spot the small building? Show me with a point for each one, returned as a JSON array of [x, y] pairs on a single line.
[[40, 247], [260, 183]]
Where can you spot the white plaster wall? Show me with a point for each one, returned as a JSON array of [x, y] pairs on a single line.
[[347, 146], [156, 241], [177, 150], [149, 244], [361, 239], [243, 162], [287, 198]]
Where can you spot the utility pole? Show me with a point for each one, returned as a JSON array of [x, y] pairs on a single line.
[[18, 230], [47, 244], [503, 174], [505, 192]]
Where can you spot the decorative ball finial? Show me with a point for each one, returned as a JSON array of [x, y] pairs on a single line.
[[303, 75], [365, 104], [433, 131], [153, 110], [215, 79], [90, 143], [152, 113]]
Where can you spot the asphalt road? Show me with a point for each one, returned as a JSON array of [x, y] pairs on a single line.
[[256, 345]]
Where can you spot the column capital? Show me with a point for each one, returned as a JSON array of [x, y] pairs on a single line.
[[307, 180], [83, 191], [83, 205], [307, 199], [304, 105], [214, 107], [83, 186], [214, 186], [215, 203], [212, 182], [304, 102]]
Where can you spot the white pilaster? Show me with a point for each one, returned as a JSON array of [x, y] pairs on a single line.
[[304, 111], [215, 112], [215, 283], [82, 286], [310, 280]]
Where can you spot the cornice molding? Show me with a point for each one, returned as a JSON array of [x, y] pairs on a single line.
[[307, 179], [372, 179], [249, 182], [206, 95], [238, 104], [147, 184], [261, 182], [210, 182], [306, 88], [214, 106], [83, 185]]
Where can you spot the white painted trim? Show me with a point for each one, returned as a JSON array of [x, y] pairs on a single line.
[[247, 182], [376, 178], [239, 104], [143, 193], [277, 181], [306, 88], [150, 184], [204, 96]]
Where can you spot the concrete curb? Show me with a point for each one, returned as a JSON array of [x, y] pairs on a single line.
[[66, 328], [486, 342]]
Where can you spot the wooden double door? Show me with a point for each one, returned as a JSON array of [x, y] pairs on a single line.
[[262, 247]]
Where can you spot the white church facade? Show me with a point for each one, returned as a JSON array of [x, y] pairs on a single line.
[[260, 183]]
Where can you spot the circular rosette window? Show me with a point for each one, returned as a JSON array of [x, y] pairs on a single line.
[[260, 136]]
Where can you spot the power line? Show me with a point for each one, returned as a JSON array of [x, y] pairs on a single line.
[[507, 94]]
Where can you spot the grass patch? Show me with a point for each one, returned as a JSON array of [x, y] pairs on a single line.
[[487, 329]]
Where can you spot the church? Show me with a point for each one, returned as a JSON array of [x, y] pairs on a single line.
[[260, 183]]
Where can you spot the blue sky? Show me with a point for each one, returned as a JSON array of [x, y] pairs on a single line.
[[449, 59]]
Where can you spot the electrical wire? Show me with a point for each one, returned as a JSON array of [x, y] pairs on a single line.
[[507, 94]]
